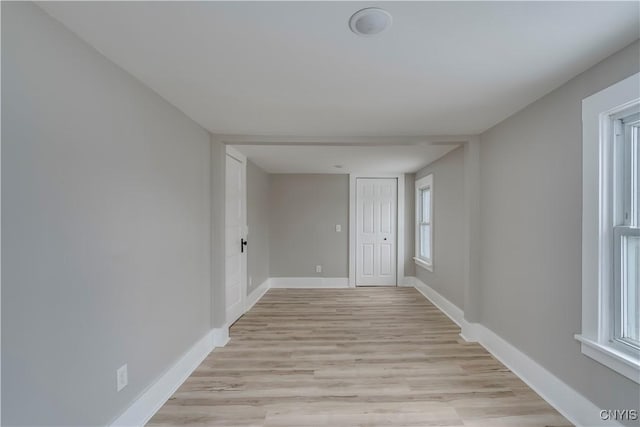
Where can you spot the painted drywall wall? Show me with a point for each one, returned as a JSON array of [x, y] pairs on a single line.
[[258, 222], [303, 212], [218, 248], [530, 222], [447, 276], [409, 224], [106, 228]]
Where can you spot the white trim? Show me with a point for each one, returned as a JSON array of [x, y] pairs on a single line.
[[400, 190], [308, 282], [452, 311], [571, 404], [233, 152], [152, 399], [220, 336], [597, 221], [622, 363], [470, 331], [257, 294], [422, 263]]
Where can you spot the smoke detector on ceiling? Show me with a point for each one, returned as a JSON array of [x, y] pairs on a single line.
[[370, 21]]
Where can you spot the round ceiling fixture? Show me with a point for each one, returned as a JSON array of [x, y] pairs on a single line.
[[370, 21]]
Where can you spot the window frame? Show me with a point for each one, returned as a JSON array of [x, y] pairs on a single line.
[[422, 184], [601, 219], [625, 215]]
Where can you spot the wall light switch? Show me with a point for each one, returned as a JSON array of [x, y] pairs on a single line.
[[338, 228], [122, 378], [318, 269]]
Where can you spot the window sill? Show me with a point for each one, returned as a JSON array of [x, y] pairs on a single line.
[[422, 263], [622, 363]]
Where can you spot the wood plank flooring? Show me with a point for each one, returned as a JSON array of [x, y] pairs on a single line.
[[352, 357]]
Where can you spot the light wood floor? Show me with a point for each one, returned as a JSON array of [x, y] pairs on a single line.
[[352, 357]]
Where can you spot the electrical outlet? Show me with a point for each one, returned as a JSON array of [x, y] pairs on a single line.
[[318, 269], [338, 228], [122, 377]]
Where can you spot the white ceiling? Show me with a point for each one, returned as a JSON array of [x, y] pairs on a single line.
[[352, 158], [294, 68]]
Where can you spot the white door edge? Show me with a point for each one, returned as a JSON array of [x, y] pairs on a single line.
[[239, 310]]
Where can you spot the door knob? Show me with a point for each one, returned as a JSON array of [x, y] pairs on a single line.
[[385, 238], [243, 243]]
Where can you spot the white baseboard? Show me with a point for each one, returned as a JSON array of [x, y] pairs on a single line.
[[256, 294], [220, 336], [309, 282], [571, 404], [152, 399], [447, 307], [469, 331]]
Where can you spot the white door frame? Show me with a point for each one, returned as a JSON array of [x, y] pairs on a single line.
[[230, 151], [353, 177]]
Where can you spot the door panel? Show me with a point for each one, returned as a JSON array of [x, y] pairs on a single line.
[[376, 228], [386, 256], [367, 260], [367, 216], [235, 230], [386, 222]]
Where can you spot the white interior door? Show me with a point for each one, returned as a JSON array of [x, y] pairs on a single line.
[[236, 234], [376, 229]]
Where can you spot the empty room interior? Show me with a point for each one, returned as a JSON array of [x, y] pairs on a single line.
[[236, 213]]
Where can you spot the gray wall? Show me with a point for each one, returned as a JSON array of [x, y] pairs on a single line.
[[218, 248], [258, 222], [303, 212], [106, 235], [448, 217], [531, 186]]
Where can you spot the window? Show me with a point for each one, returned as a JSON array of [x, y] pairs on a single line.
[[626, 234], [424, 222], [610, 228]]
